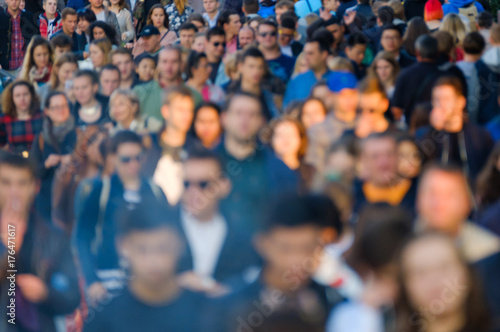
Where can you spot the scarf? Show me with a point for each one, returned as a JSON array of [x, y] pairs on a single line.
[[57, 133], [42, 76]]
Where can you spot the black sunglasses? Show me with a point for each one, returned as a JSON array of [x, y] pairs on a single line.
[[127, 159], [201, 184], [217, 44], [271, 33]]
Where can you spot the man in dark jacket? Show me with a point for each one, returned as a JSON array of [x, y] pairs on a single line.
[[69, 20], [38, 275], [16, 29]]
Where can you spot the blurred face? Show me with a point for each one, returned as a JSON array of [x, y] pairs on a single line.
[[203, 187], [286, 139], [22, 98], [152, 255], [158, 18], [279, 12], [216, 46], [96, 56], [199, 44], [186, 38], [122, 110], [314, 57], [69, 24], [356, 53], [435, 279], [321, 92], [84, 90], [331, 5], [312, 113], [17, 188], [409, 160], [252, 70], [50, 7], [442, 201], [66, 72], [124, 64], [290, 251], [234, 25], [373, 105], [96, 3], [110, 81], [58, 110], [146, 70], [207, 125], [346, 101], [151, 43], [448, 108], [128, 160], [41, 56], [180, 113], [199, 25], [211, 6], [337, 32], [98, 33], [245, 37], [340, 164], [60, 50], [379, 160], [83, 25], [267, 36], [202, 72], [286, 36], [384, 70], [391, 40], [169, 65], [13, 5], [243, 120], [303, 66]]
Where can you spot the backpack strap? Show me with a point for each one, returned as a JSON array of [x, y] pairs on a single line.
[[41, 142], [103, 202]]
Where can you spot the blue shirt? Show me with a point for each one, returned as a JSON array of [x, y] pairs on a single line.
[[454, 5], [300, 86], [282, 67]]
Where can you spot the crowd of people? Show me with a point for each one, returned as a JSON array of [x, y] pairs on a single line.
[[247, 165]]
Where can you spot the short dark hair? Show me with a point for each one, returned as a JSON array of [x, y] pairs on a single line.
[[427, 47], [224, 17], [122, 51], [188, 26], [215, 31], [68, 11], [17, 161], [201, 153], [196, 17], [385, 14], [251, 6], [87, 14], [92, 75], [474, 43], [270, 23], [285, 4], [145, 217], [357, 38], [485, 20], [61, 40], [252, 52], [392, 27], [123, 137], [193, 61], [112, 67], [290, 210], [451, 81], [52, 94], [324, 38]]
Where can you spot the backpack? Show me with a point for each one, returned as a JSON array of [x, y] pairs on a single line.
[[470, 11]]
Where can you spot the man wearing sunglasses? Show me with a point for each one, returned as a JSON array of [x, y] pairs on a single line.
[[215, 48], [216, 249], [95, 230], [280, 65], [287, 32]]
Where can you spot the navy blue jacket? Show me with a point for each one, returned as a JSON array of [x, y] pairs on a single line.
[[79, 42]]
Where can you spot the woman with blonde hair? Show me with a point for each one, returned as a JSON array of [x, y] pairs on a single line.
[[99, 53], [300, 65], [453, 24], [386, 69], [62, 72], [125, 112], [37, 63], [158, 18], [178, 12]]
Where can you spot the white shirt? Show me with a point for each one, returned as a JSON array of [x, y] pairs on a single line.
[[205, 239], [101, 16]]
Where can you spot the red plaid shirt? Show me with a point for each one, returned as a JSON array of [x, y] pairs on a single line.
[[16, 43]]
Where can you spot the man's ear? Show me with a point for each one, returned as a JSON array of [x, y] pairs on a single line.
[[462, 101], [165, 112], [259, 243]]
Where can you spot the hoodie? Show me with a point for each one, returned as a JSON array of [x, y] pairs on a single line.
[[453, 6], [47, 31]]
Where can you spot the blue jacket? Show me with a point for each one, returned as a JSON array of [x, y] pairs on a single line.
[[94, 236], [453, 6], [300, 86]]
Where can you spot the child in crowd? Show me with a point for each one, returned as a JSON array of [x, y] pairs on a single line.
[[50, 21], [145, 66]]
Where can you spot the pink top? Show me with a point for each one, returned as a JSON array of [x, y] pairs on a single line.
[[168, 38]]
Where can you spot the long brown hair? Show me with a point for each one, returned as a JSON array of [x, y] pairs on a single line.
[[180, 5], [416, 28], [477, 317], [386, 56], [67, 57], [268, 134], [29, 60], [488, 181], [166, 22], [8, 106]]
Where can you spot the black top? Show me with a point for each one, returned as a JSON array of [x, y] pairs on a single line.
[[126, 313], [215, 69]]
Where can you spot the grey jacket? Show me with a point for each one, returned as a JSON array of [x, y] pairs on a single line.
[[112, 21]]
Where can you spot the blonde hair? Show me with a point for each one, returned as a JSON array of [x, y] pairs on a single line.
[[299, 59], [339, 63], [399, 9], [131, 97], [67, 57], [180, 5], [452, 23], [105, 46], [231, 63]]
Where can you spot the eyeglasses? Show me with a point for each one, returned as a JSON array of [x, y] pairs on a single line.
[[217, 44], [265, 34], [128, 159], [200, 184]]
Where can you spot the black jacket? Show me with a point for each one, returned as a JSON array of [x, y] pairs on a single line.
[[29, 28], [414, 8], [79, 42]]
